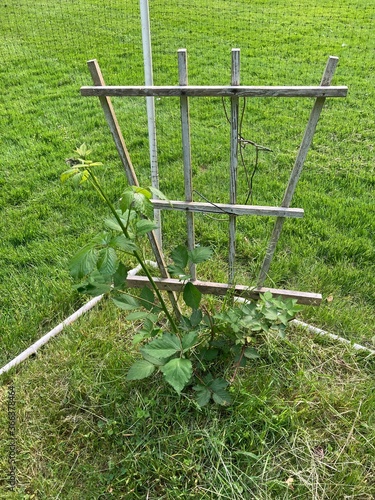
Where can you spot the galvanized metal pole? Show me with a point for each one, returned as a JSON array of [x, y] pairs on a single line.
[[150, 103]]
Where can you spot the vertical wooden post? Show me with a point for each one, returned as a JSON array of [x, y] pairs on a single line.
[[186, 150], [298, 166], [235, 80], [114, 127]]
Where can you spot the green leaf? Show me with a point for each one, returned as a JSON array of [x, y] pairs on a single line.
[[152, 359], [112, 223], [119, 278], [177, 372], [144, 226], [83, 151], [83, 262], [163, 347], [123, 243], [69, 173], [251, 353], [189, 340], [196, 317], [200, 254], [220, 395], [134, 316], [158, 193], [178, 271], [127, 199], [180, 257], [147, 298], [139, 370], [266, 296], [107, 261], [191, 295], [126, 302], [203, 395], [102, 238]]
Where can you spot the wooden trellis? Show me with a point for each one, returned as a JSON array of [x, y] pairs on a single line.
[[234, 92]]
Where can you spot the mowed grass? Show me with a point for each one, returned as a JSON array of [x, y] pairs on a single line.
[[302, 422]]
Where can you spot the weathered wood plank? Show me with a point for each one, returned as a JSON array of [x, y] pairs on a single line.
[[226, 208], [208, 287], [118, 138], [298, 167], [215, 91], [186, 153], [235, 81]]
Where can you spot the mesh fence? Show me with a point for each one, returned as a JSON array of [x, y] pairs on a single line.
[[70, 32]]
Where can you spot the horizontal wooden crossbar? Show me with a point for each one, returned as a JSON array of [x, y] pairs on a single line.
[[207, 287], [222, 208], [215, 91]]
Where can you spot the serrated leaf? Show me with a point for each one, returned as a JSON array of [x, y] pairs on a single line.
[[144, 226], [112, 222], [119, 278], [76, 179], [83, 151], [178, 271], [140, 369], [191, 295], [123, 243], [196, 317], [152, 359], [266, 296], [83, 262], [107, 261], [209, 354], [203, 395], [134, 316], [164, 347], [189, 340], [94, 289], [68, 174], [127, 199], [126, 302], [219, 394], [200, 254], [180, 257], [157, 193], [102, 238], [147, 298], [251, 353], [177, 372], [143, 191]]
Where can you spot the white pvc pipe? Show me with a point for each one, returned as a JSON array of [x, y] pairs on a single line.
[[318, 331], [48, 336], [150, 104]]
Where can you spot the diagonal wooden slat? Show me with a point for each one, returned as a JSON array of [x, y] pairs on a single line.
[[298, 166], [114, 127]]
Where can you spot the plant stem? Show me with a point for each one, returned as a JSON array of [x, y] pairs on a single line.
[[135, 253]]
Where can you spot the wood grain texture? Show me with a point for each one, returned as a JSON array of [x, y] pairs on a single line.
[[208, 287], [229, 209], [215, 91], [186, 152]]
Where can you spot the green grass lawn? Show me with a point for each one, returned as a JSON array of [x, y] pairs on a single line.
[[302, 422]]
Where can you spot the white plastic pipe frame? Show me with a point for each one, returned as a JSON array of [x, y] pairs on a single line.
[[43, 340], [68, 321]]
